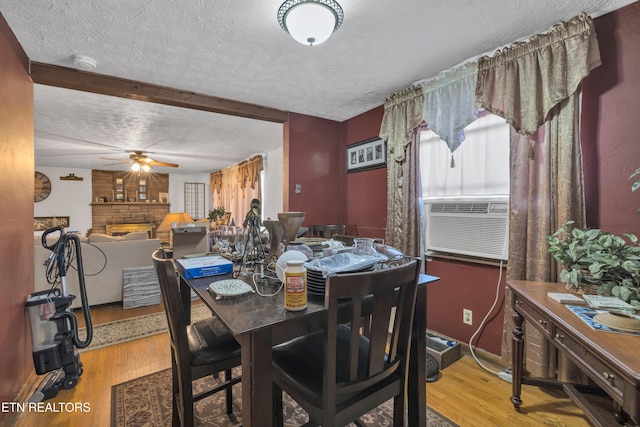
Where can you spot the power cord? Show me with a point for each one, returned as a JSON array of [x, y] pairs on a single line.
[[270, 267], [504, 375]]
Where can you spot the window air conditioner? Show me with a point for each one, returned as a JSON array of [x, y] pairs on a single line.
[[473, 226]]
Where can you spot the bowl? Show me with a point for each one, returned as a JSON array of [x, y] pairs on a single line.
[[281, 264]]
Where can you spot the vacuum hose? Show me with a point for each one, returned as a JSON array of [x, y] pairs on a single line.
[[70, 243]]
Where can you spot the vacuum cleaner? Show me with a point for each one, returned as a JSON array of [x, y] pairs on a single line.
[[54, 328]]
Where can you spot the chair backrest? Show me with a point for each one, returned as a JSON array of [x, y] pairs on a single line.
[[174, 310], [326, 231], [373, 295]]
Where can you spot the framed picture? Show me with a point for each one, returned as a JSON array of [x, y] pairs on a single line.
[[119, 181], [41, 223], [365, 155], [163, 197], [143, 196]]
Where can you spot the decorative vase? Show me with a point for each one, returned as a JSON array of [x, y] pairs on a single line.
[[275, 237], [291, 222]]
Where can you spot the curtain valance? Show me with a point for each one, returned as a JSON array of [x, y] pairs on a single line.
[[402, 113], [245, 172], [249, 171], [524, 81], [450, 103], [215, 182]]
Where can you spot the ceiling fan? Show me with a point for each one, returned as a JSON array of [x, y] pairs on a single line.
[[140, 162]]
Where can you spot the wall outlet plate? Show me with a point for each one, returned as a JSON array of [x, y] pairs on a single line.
[[467, 316]]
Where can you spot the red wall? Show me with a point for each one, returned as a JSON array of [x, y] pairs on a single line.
[[366, 192], [464, 285], [611, 124], [314, 162], [16, 211]]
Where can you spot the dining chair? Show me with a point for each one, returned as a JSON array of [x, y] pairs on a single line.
[[326, 231], [338, 374], [197, 350]]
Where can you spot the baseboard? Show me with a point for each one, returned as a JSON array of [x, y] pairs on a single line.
[[483, 355], [30, 386]]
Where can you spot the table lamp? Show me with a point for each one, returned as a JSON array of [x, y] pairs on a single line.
[[170, 221]]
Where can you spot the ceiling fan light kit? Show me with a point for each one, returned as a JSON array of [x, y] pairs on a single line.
[[310, 22]]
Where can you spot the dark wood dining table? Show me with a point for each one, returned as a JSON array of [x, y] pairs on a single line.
[[259, 323]]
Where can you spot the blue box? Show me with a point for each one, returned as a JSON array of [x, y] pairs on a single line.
[[193, 268]]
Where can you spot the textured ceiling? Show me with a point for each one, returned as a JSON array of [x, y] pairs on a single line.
[[229, 49]]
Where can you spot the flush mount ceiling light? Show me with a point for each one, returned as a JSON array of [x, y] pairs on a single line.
[[310, 21]]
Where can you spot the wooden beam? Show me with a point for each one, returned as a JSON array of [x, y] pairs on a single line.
[[70, 78]]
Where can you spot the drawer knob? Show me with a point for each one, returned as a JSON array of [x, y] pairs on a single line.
[[559, 337], [542, 322], [608, 376]]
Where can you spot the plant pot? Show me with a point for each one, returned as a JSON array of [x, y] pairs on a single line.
[[586, 289]]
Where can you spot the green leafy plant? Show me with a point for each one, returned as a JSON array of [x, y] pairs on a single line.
[[597, 257], [216, 213]]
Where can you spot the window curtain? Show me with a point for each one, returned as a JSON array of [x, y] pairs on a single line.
[[235, 187], [450, 104], [401, 129], [531, 83]]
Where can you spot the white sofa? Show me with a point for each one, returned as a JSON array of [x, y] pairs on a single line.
[[104, 258]]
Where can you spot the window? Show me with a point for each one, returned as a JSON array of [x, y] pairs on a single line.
[[194, 199], [481, 162], [466, 206]]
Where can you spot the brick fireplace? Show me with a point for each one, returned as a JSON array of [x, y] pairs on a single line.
[[118, 199]]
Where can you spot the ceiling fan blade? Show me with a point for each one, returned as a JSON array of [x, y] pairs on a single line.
[[118, 163], [156, 163], [111, 158]]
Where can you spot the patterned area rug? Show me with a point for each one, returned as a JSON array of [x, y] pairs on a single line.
[[120, 331], [146, 401]]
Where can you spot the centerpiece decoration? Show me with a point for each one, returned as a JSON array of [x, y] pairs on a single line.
[[597, 262]]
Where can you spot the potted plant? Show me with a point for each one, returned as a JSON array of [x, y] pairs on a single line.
[[216, 214], [593, 258]]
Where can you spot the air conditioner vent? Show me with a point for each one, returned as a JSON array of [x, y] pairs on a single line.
[[468, 226], [460, 207]]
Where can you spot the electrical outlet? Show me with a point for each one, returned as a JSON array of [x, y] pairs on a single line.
[[467, 316]]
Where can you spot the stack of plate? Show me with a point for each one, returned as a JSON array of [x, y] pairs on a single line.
[[316, 283]]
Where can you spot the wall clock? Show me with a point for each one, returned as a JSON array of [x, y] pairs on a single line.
[[42, 187]]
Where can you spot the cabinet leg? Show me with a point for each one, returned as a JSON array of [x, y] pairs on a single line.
[[517, 354]]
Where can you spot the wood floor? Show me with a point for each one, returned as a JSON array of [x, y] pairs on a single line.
[[465, 393]]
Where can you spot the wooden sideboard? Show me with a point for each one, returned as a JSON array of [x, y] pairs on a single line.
[[610, 360]]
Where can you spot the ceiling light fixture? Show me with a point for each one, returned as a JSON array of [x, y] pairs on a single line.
[[138, 166], [310, 21], [84, 62]]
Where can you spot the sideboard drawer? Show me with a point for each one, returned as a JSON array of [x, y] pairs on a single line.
[[607, 378], [542, 322]]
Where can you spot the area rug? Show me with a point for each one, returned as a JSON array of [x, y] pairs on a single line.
[[146, 401], [119, 331]]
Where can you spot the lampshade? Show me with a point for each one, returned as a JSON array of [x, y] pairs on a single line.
[[177, 217], [310, 21]]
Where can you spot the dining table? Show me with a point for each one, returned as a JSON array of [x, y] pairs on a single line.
[[259, 322]]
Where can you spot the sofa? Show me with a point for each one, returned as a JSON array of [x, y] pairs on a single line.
[[104, 258]]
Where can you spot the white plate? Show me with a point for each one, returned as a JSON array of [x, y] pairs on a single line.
[[281, 264], [230, 288]]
